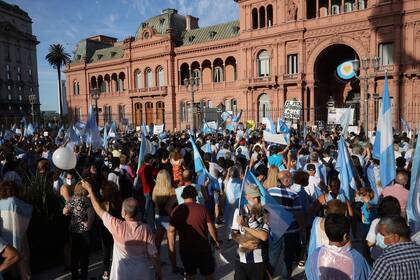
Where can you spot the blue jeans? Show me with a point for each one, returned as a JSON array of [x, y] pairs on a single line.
[[275, 250]]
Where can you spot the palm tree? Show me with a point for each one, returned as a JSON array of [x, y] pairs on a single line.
[[57, 57]]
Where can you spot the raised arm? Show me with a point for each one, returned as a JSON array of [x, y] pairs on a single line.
[[95, 203]]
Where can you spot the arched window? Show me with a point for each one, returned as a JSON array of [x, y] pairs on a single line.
[[262, 17], [362, 4], [138, 116], [120, 83], [218, 74], [270, 15], [335, 9], [138, 79], [161, 77], [149, 78], [196, 73], [160, 112], [254, 18], [348, 7], [263, 64], [149, 113]]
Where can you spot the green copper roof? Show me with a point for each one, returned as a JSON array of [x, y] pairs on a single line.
[[107, 54], [86, 48], [210, 33], [169, 19], [13, 8]]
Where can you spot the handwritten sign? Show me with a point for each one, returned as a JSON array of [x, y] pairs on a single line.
[[292, 109]]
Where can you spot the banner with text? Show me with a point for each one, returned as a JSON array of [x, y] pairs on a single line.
[[292, 109]]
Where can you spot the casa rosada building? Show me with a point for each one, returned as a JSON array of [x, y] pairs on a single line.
[[278, 50]]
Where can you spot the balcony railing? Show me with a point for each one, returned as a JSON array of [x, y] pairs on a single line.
[[291, 77], [163, 89]]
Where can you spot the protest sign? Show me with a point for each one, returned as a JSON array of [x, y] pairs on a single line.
[[158, 129], [274, 138], [292, 109]]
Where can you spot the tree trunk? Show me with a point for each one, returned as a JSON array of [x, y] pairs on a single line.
[[59, 92]]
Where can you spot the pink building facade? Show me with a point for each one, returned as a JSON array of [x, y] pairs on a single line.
[[278, 50]]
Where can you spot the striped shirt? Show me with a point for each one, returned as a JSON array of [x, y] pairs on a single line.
[[258, 255], [290, 201], [399, 261]]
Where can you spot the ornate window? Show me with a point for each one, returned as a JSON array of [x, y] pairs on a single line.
[[269, 15], [262, 17], [254, 18], [138, 79], [218, 74], [292, 64], [386, 51], [161, 77], [263, 64], [196, 73], [149, 78]]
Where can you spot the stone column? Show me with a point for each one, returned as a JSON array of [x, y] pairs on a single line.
[[317, 9], [329, 7], [342, 7]]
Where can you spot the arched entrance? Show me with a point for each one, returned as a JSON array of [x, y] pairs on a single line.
[[328, 84], [263, 106]]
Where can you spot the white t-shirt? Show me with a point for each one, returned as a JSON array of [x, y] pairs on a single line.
[[373, 230]]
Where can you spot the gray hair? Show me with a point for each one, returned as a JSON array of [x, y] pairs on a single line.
[[401, 178], [396, 224], [130, 206], [314, 156]]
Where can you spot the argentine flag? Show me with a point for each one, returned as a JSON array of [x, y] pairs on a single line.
[[383, 148], [344, 166], [93, 136], [199, 166], [413, 202], [278, 217]]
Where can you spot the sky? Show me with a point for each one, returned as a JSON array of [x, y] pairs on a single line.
[[68, 21]]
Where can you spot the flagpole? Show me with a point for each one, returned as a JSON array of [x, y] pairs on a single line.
[[242, 188]]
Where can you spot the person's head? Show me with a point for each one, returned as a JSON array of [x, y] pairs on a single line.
[[364, 195], [389, 206], [187, 177], [400, 162], [314, 157], [129, 209], [148, 158], [79, 190], [337, 228], [252, 194], [189, 194], [401, 178], [123, 159], [311, 169], [334, 185], [396, 147], [272, 177], [392, 230], [335, 207], [234, 172], [42, 166], [70, 180], [8, 189], [109, 191], [163, 187], [302, 178], [285, 177], [175, 155], [115, 162]]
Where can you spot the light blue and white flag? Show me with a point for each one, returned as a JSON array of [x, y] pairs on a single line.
[[29, 130], [386, 139], [283, 129], [146, 147], [112, 133], [74, 139], [93, 136], [405, 126], [278, 217], [270, 126], [413, 202], [344, 121], [236, 118], [106, 138], [206, 147], [199, 166], [345, 168]]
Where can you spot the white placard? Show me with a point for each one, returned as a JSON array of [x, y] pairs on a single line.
[[274, 138], [334, 115], [212, 125], [292, 109], [158, 129]]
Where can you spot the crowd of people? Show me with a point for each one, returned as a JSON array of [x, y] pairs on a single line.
[[130, 202]]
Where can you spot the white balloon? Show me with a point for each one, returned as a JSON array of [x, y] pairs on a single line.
[[64, 158]]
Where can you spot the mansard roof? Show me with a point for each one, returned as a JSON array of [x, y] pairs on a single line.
[[210, 33], [86, 48], [107, 54], [169, 19]]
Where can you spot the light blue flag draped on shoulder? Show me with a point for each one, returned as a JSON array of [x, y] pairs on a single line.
[[199, 166], [386, 139], [278, 217], [413, 202], [345, 168], [93, 136]]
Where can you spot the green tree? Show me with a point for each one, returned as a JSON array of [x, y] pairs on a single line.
[[57, 57]]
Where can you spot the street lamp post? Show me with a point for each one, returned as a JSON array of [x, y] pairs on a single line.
[[95, 93], [32, 100], [191, 85], [366, 63]]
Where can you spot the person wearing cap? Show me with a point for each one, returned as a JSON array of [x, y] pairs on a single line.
[[250, 230], [194, 225]]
